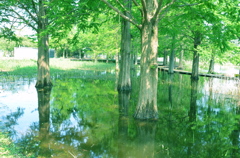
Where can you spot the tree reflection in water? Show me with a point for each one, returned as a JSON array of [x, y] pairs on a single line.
[[44, 121], [123, 123], [88, 118], [192, 117], [235, 136], [141, 144]]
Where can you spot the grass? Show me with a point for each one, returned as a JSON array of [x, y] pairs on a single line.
[[8, 149], [28, 68]]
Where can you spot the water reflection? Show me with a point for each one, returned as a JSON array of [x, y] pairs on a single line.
[[139, 145], [192, 118], [44, 121], [123, 123], [235, 135], [86, 117]]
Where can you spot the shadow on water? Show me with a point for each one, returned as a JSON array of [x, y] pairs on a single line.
[[85, 117]]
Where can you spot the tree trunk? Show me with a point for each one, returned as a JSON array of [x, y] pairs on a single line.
[[172, 62], [172, 56], [117, 61], [124, 80], [165, 58], [180, 66], [43, 77], [211, 66], [195, 64], [147, 99]]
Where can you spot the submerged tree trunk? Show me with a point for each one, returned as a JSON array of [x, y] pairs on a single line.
[[124, 80], [195, 64], [43, 77], [147, 100]]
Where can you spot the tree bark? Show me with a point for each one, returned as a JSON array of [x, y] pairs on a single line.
[[195, 64], [147, 100], [124, 80], [43, 77]]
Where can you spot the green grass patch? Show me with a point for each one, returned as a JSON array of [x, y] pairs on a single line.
[[28, 68]]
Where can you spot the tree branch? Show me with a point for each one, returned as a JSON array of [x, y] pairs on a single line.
[[188, 4], [29, 13], [166, 6], [121, 14], [127, 11], [136, 3], [144, 7], [158, 9], [24, 20]]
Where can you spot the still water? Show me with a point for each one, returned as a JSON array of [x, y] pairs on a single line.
[[84, 116]]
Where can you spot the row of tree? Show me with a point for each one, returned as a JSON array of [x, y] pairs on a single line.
[[160, 26]]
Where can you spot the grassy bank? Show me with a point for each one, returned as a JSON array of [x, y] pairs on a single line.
[[28, 68]]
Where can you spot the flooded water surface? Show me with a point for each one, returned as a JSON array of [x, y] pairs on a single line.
[[84, 116]]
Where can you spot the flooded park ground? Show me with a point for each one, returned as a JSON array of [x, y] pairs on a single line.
[[84, 116]]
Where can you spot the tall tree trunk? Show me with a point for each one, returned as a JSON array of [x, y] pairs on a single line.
[[124, 80], [180, 66], [147, 99], [165, 57], [211, 65], [172, 56], [195, 64], [172, 62], [117, 62], [43, 78]]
